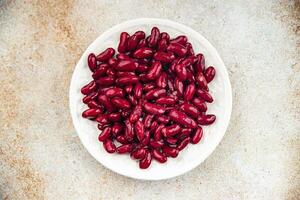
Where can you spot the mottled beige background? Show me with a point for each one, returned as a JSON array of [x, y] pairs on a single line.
[[41, 156]]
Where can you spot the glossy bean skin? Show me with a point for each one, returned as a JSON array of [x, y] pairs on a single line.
[[91, 113], [115, 92], [92, 62], [182, 39], [200, 104], [185, 132], [146, 139], [105, 81], [157, 155], [190, 50], [121, 139], [205, 96], [183, 143], [129, 131], [144, 52], [181, 72], [171, 130], [125, 148], [123, 56], [134, 40], [189, 92], [154, 37], [162, 80], [155, 93], [106, 103], [154, 70], [142, 68], [128, 89], [142, 43], [126, 65], [153, 126], [200, 64], [105, 55], [148, 120], [178, 85], [89, 97], [112, 62], [162, 45], [125, 113], [120, 103], [156, 143], [138, 154], [169, 151], [139, 130], [102, 119], [114, 117], [111, 72], [149, 86], [135, 114], [94, 104], [201, 81], [138, 91], [105, 134], [165, 36], [206, 119], [109, 146], [197, 136], [182, 119], [163, 119], [132, 100], [127, 80], [101, 71], [90, 87], [190, 110], [116, 129], [154, 109], [209, 74], [145, 162], [122, 47], [165, 57], [177, 49], [169, 101]]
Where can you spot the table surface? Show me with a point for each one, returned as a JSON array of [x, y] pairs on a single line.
[[41, 156]]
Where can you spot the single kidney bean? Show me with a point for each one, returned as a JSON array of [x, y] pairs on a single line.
[[145, 162], [156, 143], [153, 126], [149, 86], [120, 103], [178, 85], [133, 41], [154, 109], [142, 43], [165, 57], [201, 81], [189, 49], [100, 71], [123, 56], [125, 148], [89, 97], [162, 45], [115, 92], [90, 87], [205, 96], [102, 90], [181, 72], [157, 132], [106, 54], [169, 151], [138, 153], [144, 52], [163, 119], [91, 113], [206, 119], [154, 70], [155, 93], [105, 134], [136, 114], [105, 81], [154, 37], [197, 135], [139, 130], [122, 47], [102, 119], [94, 104], [200, 104], [109, 146], [126, 65], [148, 120], [200, 64], [146, 139], [165, 36], [183, 143], [127, 80], [190, 76], [121, 139], [129, 131], [171, 85], [182, 119], [189, 109], [209, 74], [116, 129], [169, 101], [92, 62], [132, 100], [177, 48], [171, 130], [142, 68], [138, 90], [114, 117], [106, 103], [189, 92], [162, 80], [157, 155], [182, 39], [128, 89]]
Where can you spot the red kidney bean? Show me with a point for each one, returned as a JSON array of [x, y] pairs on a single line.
[[177, 48], [106, 54], [116, 129], [115, 92], [126, 65], [121, 139], [154, 109], [154, 37], [134, 40], [145, 162], [139, 130], [105, 134], [90, 87], [171, 130], [165, 36], [163, 119], [189, 109], [155, 93], [114, 117], [142, 43], [129, 131], [162, 80], [89, 97], [128, 89], [156, 143], [94, 104], [149, 86], [120, 103], [148, 120], [200, 64], [100, 71], [200, 104], [154, 70], [106, 103], [112, 62], [157, 155], [189, 61], [92, 62], [197, 136], [171, 85], [122, 47], [138, 154], [165, 57], [183, 143], [132, 100], [190, 50], [102, 119], [91, 113], [209, 74], [182, 119], [142, 68], [206, 119], [181, 72], [123, 56], [136, 114], [109, 146], [125, 113], [162, 45], [190, 76], [138, 91], [153, 126], [182, 39], [185, 132], [127, 80], [111, 72], [144, 52], [105, 81], [178, 85], [205, 96], [146, 138], [169, 151], [169, 101], [189, 92], [125, 148], [157, 133], [201, 81], [101, 127]]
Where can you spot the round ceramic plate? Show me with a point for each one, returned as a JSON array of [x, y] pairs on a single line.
[[192, 155]]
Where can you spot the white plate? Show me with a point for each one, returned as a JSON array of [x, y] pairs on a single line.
[[191, 156]]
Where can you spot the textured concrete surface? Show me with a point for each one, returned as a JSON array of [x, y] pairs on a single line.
[[41, 156]]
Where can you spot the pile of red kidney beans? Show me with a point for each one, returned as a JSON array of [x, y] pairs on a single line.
[[150, 99]]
